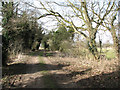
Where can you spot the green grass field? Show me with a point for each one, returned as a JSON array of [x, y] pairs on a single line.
[[108, 52]]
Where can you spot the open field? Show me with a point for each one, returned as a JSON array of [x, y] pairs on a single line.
[[108, 52]]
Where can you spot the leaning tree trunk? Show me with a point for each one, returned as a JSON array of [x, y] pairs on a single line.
[[115, 41]]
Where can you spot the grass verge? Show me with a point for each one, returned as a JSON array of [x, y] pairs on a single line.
[[108, 52]]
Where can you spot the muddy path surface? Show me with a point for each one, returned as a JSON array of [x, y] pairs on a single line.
[[42, 69]]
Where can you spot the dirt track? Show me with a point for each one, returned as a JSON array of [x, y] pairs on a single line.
[[27, 74], [40, 71]]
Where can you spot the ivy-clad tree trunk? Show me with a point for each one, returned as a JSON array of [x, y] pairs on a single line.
[[92, 43], [115, 41], [7, 13]]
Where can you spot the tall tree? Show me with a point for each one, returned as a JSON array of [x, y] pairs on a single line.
[[55, 38], [111, 24], [7, 13], [21, 33], [87, 14]]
